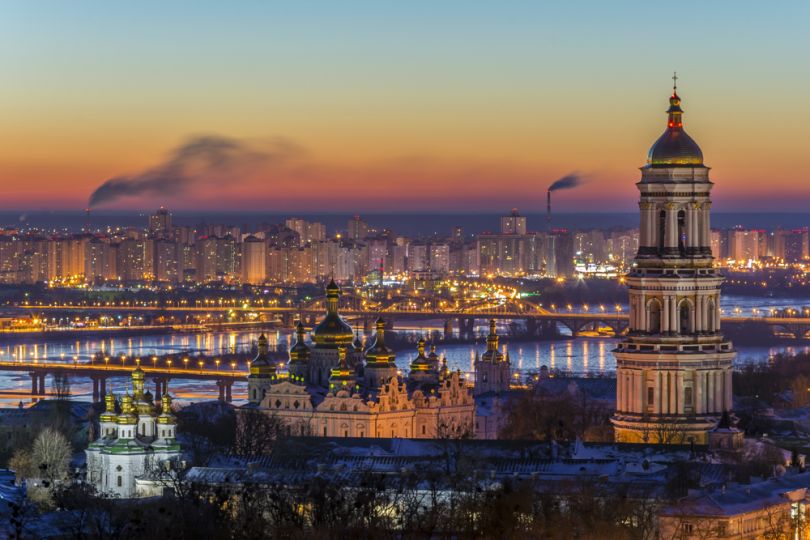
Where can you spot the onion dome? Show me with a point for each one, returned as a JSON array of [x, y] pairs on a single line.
[[675, 148], [492, 353], [378, 353], [332, 331], [444, 371], [341, 376], [166, 415], [299, 356], [433, 358], [421, 362], [142, 401], [261, 365], [127, 415], [299, 352], [138, 378], [109, 408]]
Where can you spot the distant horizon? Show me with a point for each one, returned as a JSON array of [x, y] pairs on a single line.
[[405, 223]]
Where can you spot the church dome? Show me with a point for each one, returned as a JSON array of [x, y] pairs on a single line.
[[332, 331], [674, 148], [379, 353]]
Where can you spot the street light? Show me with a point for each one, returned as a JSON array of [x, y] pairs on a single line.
[[185, 362], [217, 363]]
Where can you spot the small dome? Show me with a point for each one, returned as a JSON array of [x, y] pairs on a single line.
[[332, 331], [379, 353], [674, 148]]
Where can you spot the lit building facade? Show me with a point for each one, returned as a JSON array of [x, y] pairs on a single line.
[[135, 442], [334, 388], [674, 367]]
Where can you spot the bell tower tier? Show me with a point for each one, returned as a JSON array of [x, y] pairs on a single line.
[[673, 369]]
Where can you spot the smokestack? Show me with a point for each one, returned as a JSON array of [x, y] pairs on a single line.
[[548, 211]]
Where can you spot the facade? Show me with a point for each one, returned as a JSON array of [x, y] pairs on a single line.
[[674, 367], [134, 442], [334, 388], [774, 508]]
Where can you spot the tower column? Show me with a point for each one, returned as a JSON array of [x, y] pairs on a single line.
[[706, 237], [671, 234], [674, 319], [671, 393], [679, 393], [665, 315], [698, 386], [729, 395], [638, 402], [712, 393], [719, 391], [657, 396]]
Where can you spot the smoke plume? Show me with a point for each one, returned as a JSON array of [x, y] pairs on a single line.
[[200, 160], [568, 181]]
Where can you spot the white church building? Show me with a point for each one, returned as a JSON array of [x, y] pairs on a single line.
[[134, 443]]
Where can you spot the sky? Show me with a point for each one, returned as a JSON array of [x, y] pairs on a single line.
[[390, 106]]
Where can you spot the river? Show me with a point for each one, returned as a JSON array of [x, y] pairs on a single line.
[[591, 355]]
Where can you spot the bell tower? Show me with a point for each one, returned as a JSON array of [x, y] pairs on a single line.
[[673, 370]]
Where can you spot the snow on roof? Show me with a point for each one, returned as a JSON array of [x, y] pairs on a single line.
[[744, 498]]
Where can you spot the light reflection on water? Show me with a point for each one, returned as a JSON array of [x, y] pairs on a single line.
[[576, 355]]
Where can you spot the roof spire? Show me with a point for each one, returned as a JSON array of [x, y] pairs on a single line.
[[674, 83]]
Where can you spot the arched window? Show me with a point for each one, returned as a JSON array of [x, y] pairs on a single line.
[[711, 316], [685, 321], [654, 308]]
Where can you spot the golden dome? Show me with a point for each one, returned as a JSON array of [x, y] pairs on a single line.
[[492, 353], [332, 331], [109, 408], [674, 148], [127, 415], [421, 362], [262, 366], [378, 353]]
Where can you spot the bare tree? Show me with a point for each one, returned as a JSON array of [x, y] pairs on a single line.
[[257, 432]]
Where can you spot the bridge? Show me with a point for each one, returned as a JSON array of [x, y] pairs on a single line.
[[538, 321], [99, 373]]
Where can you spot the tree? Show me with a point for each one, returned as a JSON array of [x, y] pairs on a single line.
[[51, 454], [257, 432]]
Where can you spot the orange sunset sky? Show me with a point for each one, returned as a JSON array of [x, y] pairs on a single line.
[[400, 106]]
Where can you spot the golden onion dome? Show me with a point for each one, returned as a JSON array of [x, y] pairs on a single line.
[[342, 377], [109, 408], [332, 331], [421, 362], [127, 415], [261, 365], [299, 352], [378, 353], [166, 416], [492, 353], [674, 148]]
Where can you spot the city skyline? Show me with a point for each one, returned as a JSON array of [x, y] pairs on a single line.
[[391, 108]]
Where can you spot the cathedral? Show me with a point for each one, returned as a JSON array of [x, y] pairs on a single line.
[[334, 388], [673, 370], [132, 443]]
